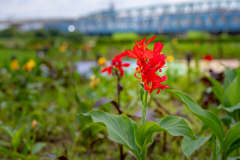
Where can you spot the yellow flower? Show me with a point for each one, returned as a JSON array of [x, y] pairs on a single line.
[[175, 41], [102, 61], [170, 58], [92, 77], [94, 81], [14, 65], [28, 66], [63, 47], [34, 123], [92, 84]]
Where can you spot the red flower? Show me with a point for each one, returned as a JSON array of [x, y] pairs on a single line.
[[149, 62], [116, 65], [140, 50], [208, 57]]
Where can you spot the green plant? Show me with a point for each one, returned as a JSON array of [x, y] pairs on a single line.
[[124, 130], [227, 143]]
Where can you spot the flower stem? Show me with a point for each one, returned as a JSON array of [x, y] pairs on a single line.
[[214, 147], [144, 108], [143, 114]]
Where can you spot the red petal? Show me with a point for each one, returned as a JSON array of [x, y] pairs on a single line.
[[121, 71], [121, 55], [158, 47], [108, 69], [126, 64], [146, 87], [147, 54], [137, 51], [131, 54], [150, 40]]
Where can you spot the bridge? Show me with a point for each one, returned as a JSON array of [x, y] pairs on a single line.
[[210, 16]]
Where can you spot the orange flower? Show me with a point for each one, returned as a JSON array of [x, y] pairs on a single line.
[[29, 65], [14, 65]]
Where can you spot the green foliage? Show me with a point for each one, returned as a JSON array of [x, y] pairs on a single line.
[[176, 126], [10, 32], [189, 146], [228, 143], [126, 132], [198, 35], [120, 128], [38, 147], [228, 95], [16, 139], [125, 36], [209, 118], [232, 136]]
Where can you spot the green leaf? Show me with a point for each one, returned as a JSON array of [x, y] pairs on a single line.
[[8, 153], [119, 127], [230, 109], [8, 129], [4, 143], [176, 126], [234, 145], [227, 120], [232, 135], [209, 118], [16, 139], [230, 74], [234, 158], [37, 147], [233, 91], [143, 135], [217, 89], [189, 146]]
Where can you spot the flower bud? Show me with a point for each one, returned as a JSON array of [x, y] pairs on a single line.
[[34, 123]]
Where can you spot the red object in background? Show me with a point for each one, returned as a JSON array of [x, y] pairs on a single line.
[[116, 65], [149, 62], [208, 57]]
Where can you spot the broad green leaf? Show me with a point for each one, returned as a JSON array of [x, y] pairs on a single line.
[[16, 139], [176, 126], [233, 91], [37, 147], [230, 75], [227, 120], [189, 146], [8, 153], [234, 158], [217, 89], [120, 128], [209, 118], [235, 145], [233, 134], [8, 129], [144, 134], [230, 109]]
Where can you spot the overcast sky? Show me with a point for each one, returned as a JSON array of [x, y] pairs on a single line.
[[30, 9]]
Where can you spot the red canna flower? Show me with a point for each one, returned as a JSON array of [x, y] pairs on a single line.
[[149, 62], [208, 57], [116, 65], [140, 50]]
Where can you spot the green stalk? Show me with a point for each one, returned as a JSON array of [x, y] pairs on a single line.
[[144, 107], [237, 122], [143, 157], [214, 147]]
